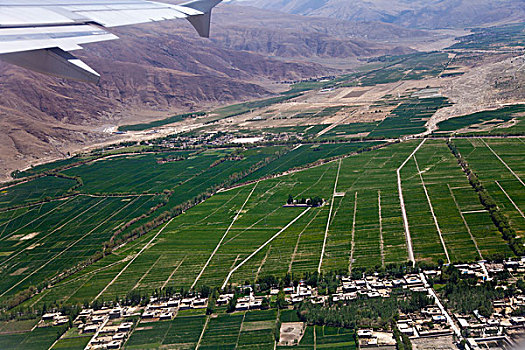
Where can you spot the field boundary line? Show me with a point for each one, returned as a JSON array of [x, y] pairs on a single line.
[[202, 333], [381, 241], [173, 272], [224, 236], [503, 162], [465, 221], [475, 211], [240, 331], [69, 246], [432, 210], [408, 238], [132, 260], [147, 272], [62, 224], [262, 263], [329, 217], [264, 245], [352, 242], [41, 238], [315, 338], [510, 199]]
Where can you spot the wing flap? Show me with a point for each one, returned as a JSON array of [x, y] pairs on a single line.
[[37, 34], [112, 18], [35, 38], [55, 62]]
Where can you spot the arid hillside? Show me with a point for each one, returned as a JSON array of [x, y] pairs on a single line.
[[155, 70], [429, 14]]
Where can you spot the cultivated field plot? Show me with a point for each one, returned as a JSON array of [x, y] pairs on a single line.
[[483, 121], [34, 191], [434, 185], [244, 330], [146, 173], [409, 117], [366, 229], [258, 330], [324, 337], [37, 339], [306, 154], [245, 233], [37, 243], [500, 167], [179, 333]]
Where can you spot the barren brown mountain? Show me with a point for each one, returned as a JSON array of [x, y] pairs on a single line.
[[430, 14], [159, 69]]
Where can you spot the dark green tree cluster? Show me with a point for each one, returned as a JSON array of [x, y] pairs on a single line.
[[377, 313], [312, 201]]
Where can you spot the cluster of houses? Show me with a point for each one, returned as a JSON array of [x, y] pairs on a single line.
[[166, 309], [502, 329], [107, 326]]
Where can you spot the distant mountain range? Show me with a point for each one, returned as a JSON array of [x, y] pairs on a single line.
[[427, 14], [157, 70]]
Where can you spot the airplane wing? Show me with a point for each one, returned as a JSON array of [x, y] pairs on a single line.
[[38, 34]]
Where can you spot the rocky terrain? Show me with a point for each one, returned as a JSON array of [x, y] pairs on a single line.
[[156, 70], [429, 14]]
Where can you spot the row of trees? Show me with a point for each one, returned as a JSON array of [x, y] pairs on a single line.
[[500, 220]]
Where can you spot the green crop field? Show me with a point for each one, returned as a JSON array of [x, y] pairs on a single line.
[[490, 119], [324, 337], [33, 191], [503, 177], [247, 231], [244, 330], [466, 228], [244, 233], [409, 117], [306, 154], [37, 339], [181, 332]]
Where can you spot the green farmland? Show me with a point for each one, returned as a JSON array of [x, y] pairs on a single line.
[[244, 233]]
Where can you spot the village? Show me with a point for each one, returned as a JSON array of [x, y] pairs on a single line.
[[111, 325]]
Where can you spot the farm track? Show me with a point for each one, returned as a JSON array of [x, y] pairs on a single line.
[[402, 204], [352, 243], [432, 210], [329, 218], [224, 236], [381, 240]]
